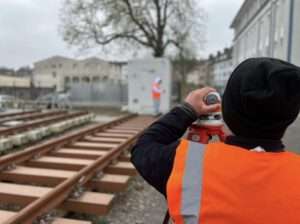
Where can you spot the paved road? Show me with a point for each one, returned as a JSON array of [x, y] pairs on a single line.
[[292, 137]]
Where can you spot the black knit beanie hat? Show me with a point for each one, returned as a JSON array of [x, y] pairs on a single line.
[[262, 98]]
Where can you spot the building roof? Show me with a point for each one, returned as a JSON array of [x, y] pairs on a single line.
[[120, 63], [92, 59], [221, 56], [56, 57], [239, 13], [88, 60]]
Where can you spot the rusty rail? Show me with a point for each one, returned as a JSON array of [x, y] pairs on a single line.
[[2, 115], [55, 143], [33, 116]]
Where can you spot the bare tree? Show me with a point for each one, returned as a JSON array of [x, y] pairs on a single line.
[[158, 25]]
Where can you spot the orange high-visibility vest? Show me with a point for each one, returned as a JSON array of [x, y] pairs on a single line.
[[156, 93], [223, 184]]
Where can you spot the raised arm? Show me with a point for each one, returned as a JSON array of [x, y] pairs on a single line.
[[155, 150]]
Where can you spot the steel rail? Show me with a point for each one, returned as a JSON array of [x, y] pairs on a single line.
[[32, 116], [43, 148], [63, 190], [2, 115], [22, 127]]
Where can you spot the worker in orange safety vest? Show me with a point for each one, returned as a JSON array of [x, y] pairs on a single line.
[[251, 178], [156, 94]]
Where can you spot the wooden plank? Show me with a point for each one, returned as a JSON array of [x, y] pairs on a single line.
[[48, 177], [113, 135], [127, 128], [59, 163], [110, 183], [6, 215], [20, 194], [93, 146], [89, 202], [69, 221], [78, 153], [131, 126], [123, 168], [51, 177], [104, 140], [117, 131]]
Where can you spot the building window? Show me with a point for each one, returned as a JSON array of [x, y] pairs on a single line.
[[86, 79], [74, 65], [96, 79], [53, 66], [75, 80], [54, 74], [60, 65]]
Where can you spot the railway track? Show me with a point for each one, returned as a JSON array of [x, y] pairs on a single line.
[[78, 172], [6, 115], [28, 132], [29, 117], [51, 117]]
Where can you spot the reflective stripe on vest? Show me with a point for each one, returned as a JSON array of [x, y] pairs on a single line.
[[223, 184], [185, 183]]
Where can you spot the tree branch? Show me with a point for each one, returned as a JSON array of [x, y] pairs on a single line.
[[112, 37], [135, 20], [155, 24], [165, 13]]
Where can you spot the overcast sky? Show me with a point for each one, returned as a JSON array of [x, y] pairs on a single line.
[[29, 29]]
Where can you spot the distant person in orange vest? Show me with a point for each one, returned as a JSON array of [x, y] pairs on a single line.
[[156, 94], [250, 178]]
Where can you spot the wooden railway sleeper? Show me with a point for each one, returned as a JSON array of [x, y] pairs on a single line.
[[62, 191]]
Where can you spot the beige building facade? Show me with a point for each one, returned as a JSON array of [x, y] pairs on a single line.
[[61, 72]]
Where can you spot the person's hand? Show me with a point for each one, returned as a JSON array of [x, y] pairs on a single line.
[[196, 100]]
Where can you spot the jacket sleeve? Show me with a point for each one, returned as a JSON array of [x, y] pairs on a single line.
[[154, 152]]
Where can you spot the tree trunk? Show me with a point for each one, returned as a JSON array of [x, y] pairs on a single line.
[[158, 52]]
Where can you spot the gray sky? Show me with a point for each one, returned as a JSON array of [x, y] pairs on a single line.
[[29, 29]]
